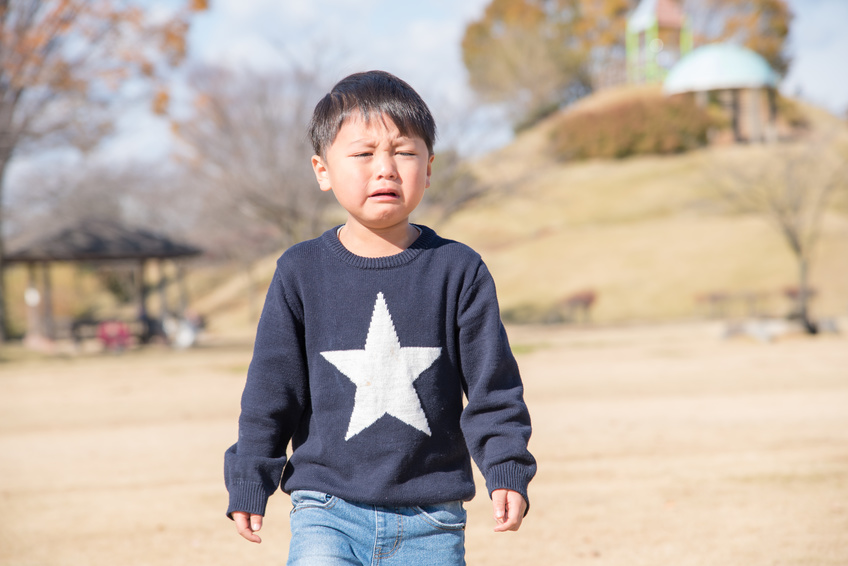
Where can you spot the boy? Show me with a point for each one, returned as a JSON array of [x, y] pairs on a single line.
[[369, 337]]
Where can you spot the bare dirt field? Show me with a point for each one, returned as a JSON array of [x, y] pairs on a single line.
[[657, 445]]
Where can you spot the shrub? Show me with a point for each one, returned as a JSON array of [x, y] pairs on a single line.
[[641, 125]]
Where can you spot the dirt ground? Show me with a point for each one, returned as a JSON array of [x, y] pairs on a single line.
[[657, 445]]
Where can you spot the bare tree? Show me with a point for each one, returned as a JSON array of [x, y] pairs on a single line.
[[61, 63], [75, 192], [792, 186], [248, 153]]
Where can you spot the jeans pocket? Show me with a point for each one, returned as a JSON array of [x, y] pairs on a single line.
[[305, 499], [450, 516]]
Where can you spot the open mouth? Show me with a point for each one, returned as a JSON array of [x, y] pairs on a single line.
[[385, 193]]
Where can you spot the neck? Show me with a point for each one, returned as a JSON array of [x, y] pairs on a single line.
[[367, 242]]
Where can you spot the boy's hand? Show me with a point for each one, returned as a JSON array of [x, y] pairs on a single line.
[[247, 525], [509, 507]]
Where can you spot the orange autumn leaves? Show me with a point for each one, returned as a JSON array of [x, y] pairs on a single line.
[[77, 46]]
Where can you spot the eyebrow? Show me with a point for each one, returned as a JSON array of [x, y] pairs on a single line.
[[371, 141]]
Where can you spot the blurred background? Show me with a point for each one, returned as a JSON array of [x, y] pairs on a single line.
[[611, 159], [659, 188]]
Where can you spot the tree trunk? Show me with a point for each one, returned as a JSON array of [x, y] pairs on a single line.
[[2, 282], [804, 297], [4, 161]]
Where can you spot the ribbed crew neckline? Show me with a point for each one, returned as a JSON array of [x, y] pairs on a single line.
[[425, 240]]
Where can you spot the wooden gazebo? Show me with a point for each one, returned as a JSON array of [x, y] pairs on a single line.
[[744, 80], [95, 242]]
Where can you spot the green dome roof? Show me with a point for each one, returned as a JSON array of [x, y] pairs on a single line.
[[719, 66]]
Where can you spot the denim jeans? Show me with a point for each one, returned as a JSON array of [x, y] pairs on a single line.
[[329, 531]]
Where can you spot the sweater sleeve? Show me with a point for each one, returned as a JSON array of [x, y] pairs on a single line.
[[273, 401], [495, 422]]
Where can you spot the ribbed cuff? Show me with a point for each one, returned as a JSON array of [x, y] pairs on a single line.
[[512, 476], [247, 497]]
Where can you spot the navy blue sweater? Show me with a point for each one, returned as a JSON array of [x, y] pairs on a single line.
[[362, 364]]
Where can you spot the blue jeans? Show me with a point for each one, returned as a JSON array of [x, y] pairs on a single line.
[[329, 531]]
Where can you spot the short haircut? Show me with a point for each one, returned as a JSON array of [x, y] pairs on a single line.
[[372, 93]]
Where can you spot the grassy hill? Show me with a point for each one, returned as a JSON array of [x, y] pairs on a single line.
[[648, 234]]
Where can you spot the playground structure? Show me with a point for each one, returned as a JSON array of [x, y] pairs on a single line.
[[658, 35]]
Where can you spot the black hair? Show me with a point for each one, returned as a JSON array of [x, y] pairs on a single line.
[[372, 93]]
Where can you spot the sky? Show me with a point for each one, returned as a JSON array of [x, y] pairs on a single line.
[[418, 41], [819, 46]]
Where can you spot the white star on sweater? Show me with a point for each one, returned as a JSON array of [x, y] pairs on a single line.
[[383, 374]]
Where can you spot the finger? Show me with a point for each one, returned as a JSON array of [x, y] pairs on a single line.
[[508, 523], [519, 507], [243, 526], [255, 522], [499, 505]]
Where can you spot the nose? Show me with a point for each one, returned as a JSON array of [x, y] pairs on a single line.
[[386, 166]]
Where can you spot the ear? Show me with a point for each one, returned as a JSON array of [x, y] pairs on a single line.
[[322, 174], [429, 171]]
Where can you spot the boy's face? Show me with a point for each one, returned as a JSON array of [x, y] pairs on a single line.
[[376, 174]]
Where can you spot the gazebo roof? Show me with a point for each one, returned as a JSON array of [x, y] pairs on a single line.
[[99, 240], [719, 66]]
